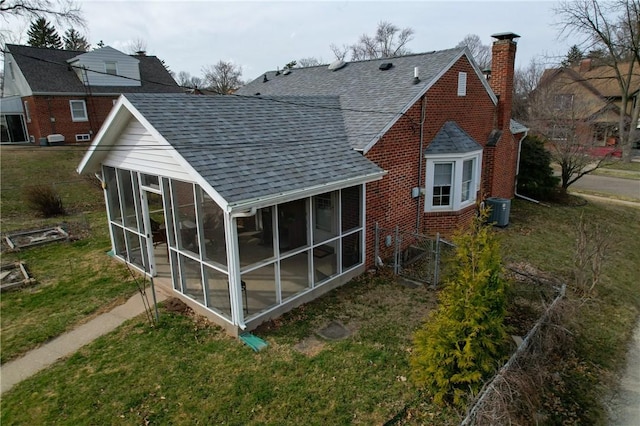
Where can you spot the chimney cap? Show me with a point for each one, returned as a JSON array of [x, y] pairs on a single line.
[[505, 36]]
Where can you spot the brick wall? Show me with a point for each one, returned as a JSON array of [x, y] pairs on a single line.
[[389, 201], [52, 115]]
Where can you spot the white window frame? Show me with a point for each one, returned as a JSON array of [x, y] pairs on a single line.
[[27, 112], [457, 160], [84, 108], [462, 84], [84, 137], [115, 67]]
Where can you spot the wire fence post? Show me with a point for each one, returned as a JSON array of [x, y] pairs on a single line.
[[396, 252], [376, 253], [436, 262]]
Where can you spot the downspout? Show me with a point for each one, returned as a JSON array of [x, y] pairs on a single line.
[[420, 157], [234, 266], [524, 197]]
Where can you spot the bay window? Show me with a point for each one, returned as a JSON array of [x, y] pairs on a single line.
[[453, 181]]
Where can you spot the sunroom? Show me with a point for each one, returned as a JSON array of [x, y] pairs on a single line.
[[243, 226]]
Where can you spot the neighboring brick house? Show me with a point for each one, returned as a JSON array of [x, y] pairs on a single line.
[[248, 205], [584, 99], [70, 93]]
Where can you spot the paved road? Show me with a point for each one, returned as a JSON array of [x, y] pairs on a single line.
[[627, 188]]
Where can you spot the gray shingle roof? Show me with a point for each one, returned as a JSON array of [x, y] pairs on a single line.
[[47, 71], [451, 139], [249, 147], [371, 98]]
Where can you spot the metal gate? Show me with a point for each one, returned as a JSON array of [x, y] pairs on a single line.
[[414, 256]]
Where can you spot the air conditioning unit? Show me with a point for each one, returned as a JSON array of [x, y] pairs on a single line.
[[55, 139], [500, 208]]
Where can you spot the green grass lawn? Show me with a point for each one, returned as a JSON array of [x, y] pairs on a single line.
[[75, 280], [620, 169], [187, 371]]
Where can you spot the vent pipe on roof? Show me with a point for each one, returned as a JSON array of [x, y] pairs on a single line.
[[265, 79], [416, 75]]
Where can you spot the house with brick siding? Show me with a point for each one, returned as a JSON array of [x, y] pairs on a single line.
[[69, 93], [247, 205]]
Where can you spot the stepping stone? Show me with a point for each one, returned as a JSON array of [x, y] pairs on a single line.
[[334, 331]]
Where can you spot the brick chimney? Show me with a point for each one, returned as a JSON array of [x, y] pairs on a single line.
[[503, 58], [585, 65]]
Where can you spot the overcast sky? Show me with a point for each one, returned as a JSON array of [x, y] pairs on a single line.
[[261, 36]]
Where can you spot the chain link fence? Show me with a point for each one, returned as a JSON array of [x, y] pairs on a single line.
[[416, 257]]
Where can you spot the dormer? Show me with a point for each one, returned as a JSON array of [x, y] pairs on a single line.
[[106, 67]]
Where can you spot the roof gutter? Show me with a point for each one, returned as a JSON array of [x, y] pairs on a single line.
[[255, 203]]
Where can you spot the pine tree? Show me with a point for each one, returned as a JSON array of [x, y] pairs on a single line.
[[43, 34], [463, 341], [535, 174], [574, 56], [73, 40]]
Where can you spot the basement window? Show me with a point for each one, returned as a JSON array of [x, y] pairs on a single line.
[[83, 137]]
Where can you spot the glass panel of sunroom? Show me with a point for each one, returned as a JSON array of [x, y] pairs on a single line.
[[324, 217], [215, 248], [184, 208], [118, 241], [255, 237], [128, 199], [191, 278], [113, 198], [325, 261], [351, 250], [135, 254], [217, 284], [294, 274], [260, 289], [351, 212], [292, 225]]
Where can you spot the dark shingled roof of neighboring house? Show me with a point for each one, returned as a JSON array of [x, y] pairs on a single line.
[[451, 139], [372, 99], [253, 147], [47, 71]]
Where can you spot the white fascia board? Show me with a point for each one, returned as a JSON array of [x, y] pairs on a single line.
[[284, 197], [443, 71], [113, 126], [481, 76], [453, 155]]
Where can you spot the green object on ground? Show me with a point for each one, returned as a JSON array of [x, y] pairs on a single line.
[[254, 342]]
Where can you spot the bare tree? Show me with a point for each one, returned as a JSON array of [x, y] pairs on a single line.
[[612, 27], [185, 79], [559, 118], [223, 78], [387, 42], [481, 52], [60, 11], [309, 62], [526, 79], [137, 46]]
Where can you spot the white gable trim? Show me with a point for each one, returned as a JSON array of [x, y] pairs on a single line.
[[443, 71], [108, 135]]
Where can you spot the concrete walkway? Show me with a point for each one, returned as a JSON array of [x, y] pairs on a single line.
[[624, 409], [15, 371]]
